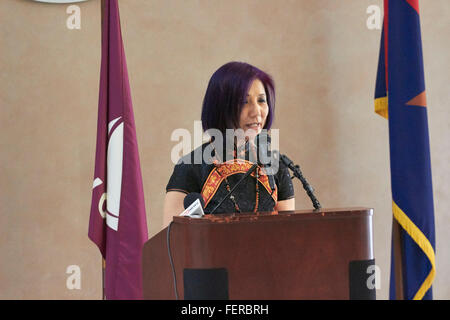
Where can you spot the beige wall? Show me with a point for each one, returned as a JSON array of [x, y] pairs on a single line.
[[320, 53]]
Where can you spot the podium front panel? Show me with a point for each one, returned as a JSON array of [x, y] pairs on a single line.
[[268, 255]]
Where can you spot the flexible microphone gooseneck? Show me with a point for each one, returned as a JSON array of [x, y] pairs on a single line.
[[298, 174]]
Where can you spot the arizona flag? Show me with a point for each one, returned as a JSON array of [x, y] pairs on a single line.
[[117, 222], [400, 97]]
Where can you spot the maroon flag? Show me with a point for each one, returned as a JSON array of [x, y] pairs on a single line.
[[117, 223]]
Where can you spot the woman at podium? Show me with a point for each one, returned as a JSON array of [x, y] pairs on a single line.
[[238, 96]]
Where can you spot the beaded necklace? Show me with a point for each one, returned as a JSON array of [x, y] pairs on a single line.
[[218, 164]]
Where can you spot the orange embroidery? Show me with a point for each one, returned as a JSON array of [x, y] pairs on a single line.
[[227, 169]]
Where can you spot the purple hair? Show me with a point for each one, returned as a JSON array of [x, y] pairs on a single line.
[[226, 94]]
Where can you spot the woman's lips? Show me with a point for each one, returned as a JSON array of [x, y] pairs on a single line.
[[255, 125]]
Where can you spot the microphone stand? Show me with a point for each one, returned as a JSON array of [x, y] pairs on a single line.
[[298, 174]]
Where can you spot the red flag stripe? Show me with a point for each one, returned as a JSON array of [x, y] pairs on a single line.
[[414, 4]]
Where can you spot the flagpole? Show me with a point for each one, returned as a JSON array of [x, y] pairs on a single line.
[[397, 239], [103, 278], [102, 10]]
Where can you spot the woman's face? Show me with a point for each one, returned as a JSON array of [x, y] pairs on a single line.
[[255, 110]]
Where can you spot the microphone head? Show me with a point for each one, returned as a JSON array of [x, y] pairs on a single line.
[[191, 197]]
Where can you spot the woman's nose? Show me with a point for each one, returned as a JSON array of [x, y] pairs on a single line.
[[255, 108]]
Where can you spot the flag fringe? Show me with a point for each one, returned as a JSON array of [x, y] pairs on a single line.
[[381, 106], [417, 235]]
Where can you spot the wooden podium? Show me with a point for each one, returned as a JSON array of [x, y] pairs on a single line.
[[267, 255]]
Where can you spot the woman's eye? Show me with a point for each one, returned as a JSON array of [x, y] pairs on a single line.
[[259, 101]]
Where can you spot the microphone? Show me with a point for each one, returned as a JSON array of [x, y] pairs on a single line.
[[193, 204], [191, 197]]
